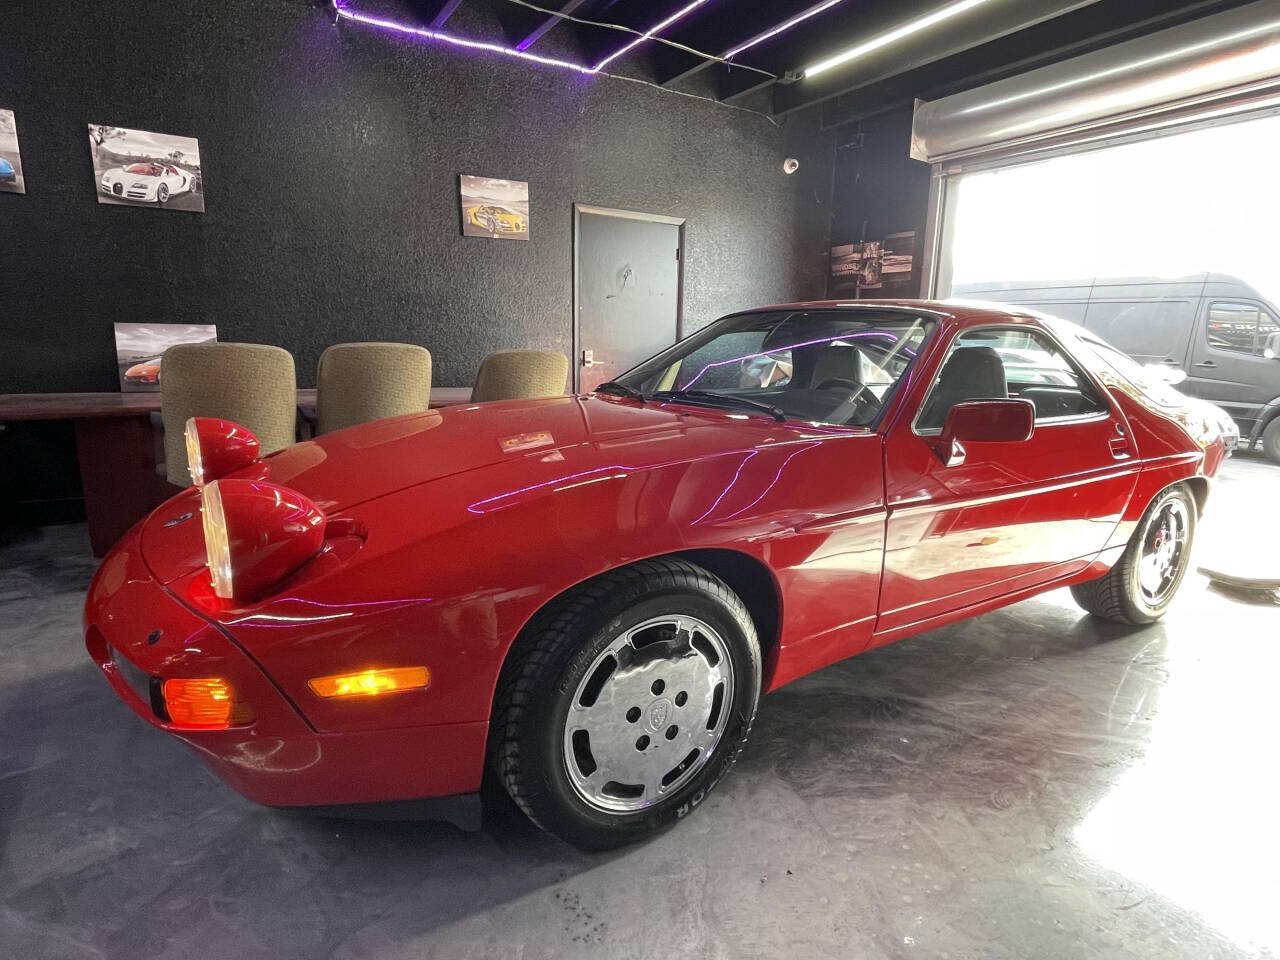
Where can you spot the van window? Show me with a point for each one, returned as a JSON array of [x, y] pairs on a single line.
[[991, 363], [1239, 327], [1149, 329]]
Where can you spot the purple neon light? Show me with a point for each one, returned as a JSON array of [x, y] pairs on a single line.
[[774, 482], [782, 27], [456, 41], [649, 34], [725, 492]]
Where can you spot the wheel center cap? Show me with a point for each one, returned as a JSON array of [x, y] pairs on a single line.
[[658, 714]]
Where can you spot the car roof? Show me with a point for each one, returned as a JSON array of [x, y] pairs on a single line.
[[963, 311]]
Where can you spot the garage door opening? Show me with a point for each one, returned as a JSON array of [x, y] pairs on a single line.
[[1165, 247]]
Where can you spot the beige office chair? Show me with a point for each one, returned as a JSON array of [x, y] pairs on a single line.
[[249, 383], [359, 382], [520, 374]]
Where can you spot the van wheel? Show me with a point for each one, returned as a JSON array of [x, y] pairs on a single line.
[[1141, 585], [1271, 440]]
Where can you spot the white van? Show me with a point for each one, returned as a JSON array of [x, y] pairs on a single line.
[[1217, 328]]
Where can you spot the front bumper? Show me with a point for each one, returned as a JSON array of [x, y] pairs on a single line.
[[139, 633]]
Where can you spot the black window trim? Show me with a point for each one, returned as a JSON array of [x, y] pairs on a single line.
[[1080, 369]]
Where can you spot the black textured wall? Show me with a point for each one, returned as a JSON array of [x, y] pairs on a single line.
[[331, 157]]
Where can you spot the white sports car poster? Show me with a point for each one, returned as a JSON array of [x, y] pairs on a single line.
[[138, 168]]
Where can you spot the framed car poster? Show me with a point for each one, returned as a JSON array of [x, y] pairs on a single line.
[[140, 347], [137, 168], [498, 209]]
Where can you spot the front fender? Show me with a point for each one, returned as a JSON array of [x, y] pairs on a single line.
[[451, 571]]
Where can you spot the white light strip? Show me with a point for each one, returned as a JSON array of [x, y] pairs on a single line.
[[782, 27], [913, 26], [456, 41], [649, 34]]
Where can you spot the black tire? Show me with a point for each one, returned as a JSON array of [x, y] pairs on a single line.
[[1271, 440], [1118, 595], [540, 680]]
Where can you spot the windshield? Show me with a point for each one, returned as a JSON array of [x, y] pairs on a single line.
[[825, 366]]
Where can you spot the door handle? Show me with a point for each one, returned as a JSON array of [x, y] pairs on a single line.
[[1206, 363], [1169, 361], [1119, 447], [589, 358]]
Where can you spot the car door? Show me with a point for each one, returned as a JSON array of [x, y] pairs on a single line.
[[1229, 365], [1011, 515]]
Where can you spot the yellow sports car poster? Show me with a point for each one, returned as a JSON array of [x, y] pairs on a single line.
[[493, 208]]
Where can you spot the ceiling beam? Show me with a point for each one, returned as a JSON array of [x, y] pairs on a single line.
[[538, 32], [444, 13]]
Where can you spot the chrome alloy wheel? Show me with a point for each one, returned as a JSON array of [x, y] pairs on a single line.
[[648, 713], [1164, 548]]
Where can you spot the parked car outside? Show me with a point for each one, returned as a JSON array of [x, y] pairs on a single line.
[[1223, 333]]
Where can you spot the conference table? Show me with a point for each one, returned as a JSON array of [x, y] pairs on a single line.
[[120, 450]]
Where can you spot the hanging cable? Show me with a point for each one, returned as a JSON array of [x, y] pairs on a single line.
[[640, 33]]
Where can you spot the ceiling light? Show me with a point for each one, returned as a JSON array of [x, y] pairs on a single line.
[[345, 14], [912, 26]]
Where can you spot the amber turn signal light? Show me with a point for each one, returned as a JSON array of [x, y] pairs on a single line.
[[370, 683], [204, 703]]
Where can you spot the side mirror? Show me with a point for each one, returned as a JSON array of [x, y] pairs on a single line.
[[983, 421]]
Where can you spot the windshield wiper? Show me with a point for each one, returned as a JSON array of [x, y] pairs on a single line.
[[711, 398], [621, 389]]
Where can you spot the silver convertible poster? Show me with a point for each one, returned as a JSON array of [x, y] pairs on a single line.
[[141, 169]]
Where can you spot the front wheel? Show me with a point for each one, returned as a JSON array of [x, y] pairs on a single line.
[[1271, 440], [162, 193], [1142, 584], [627, 703]]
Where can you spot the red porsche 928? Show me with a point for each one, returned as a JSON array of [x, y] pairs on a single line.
[[588, 594]]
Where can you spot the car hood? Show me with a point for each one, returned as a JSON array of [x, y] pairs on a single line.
[[341, 470]]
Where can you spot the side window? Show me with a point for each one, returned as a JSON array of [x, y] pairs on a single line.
[[996, 363], [1239, 327]]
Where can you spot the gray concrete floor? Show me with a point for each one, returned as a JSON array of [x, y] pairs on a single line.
[[1032, 783]]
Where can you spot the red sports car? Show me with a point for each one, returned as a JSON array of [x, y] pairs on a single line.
[[589, 594], [148, 372]]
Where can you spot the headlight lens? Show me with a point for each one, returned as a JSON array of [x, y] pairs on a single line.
[[216, 544], [217, 447], [256, 534]]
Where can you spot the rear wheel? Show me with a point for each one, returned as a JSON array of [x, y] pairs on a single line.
[[1142, 584], [1271, 440], [627, 703]]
